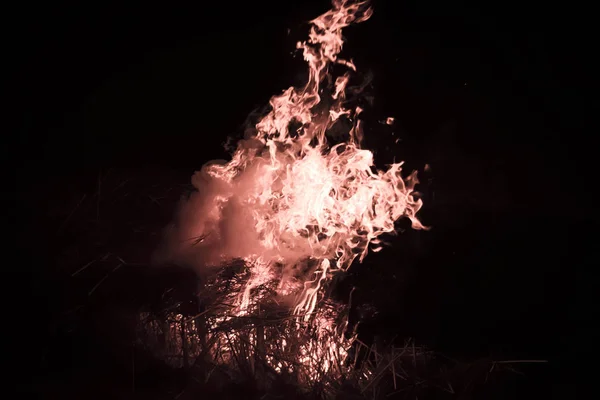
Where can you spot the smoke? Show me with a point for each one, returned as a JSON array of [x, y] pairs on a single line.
[[215, 224], [211, 225]]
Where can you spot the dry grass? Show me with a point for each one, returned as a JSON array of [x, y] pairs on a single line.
[[368, 370]]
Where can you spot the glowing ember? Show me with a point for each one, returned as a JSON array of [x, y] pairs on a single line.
[[290, 204]]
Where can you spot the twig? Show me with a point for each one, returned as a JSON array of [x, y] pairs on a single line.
[[197, 239], [155, 199], [199, 315], [393, 370], [414, 355], [207, 378], [84, 267], [103, 279], [383, 370], [127, 263], [71, 214], [120, 185]]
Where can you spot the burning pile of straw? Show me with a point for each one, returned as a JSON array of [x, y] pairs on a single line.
[[270, 345], [290, 210], [294, 209]]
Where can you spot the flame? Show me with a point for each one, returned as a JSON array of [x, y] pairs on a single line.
[[305, 197], [300, 201]]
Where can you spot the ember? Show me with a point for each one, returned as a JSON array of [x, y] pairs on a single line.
[[296, 209]]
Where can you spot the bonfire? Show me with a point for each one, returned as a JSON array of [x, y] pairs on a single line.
[[292, 208]]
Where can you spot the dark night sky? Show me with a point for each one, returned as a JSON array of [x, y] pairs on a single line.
[[491, 96]]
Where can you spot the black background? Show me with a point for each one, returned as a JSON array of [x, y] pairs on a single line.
[[491, 96]]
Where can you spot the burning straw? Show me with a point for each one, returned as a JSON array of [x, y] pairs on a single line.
[[294, 208]]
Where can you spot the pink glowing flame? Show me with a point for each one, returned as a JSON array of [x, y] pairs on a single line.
[[288, 196]]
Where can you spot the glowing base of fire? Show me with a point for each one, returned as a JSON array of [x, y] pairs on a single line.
[[250, 327], [268, 345], [257, 333], [309, 351]]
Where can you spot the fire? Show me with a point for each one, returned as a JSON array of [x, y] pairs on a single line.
[[301, 206], [306, 198]]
